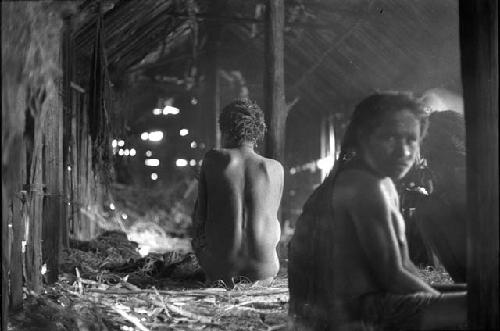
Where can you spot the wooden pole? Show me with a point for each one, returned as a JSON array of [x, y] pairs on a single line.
[[5, 258], [16, 266], [35, 199], [53, 204], [274, 83], [479, 55], [67, 127], [211, 98]]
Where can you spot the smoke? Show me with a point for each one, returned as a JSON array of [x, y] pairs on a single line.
[[148, 234], [439, 99], [152, 238]]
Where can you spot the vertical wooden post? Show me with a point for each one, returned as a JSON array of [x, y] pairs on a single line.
[[275, 80], [479, 55], [53, 207], [16, 266], [83, 138], [211, 97], [73, 219], [5, 257], [35, 194], [89, 197], [67, 120]]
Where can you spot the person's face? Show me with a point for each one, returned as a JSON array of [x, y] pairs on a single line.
[[392, 147]]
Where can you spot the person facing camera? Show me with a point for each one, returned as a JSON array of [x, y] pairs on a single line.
[[236, 230], [349, 265]]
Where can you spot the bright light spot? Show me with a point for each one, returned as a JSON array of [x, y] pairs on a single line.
[[114, 143], [149, 153], [193, 144], [156, 111], [154, 176], [183, 132], [192, 163], [325, 163], [132, 152], [111, 206], [121, 143], [144, 136], [181, 162], [155, 136], [124, 216], [422, 190], [293, 171], [170, 110], [152, 162], [200, 162], [69, 168], [44, 269], [120, 152], [127, 152], [143, 250], [194, 101], [10, 225]]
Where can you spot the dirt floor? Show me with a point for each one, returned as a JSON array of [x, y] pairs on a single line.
[[106, 285]]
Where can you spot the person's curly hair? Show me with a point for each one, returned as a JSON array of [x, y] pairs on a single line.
[[242, 120]]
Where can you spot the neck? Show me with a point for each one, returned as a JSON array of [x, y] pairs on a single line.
[[245, 145]]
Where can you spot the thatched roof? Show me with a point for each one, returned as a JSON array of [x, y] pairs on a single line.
[[336, 52]]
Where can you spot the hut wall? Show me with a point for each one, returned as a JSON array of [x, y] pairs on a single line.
[[42, 120]]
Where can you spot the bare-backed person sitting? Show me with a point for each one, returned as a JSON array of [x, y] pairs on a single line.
[[348, 260], [239, 192]]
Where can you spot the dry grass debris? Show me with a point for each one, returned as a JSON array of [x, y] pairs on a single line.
[[123, 291]]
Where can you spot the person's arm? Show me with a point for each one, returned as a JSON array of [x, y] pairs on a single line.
[[370, 209]]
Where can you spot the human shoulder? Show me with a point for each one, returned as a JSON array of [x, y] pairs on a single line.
[[360, 188], [272, 165], [216, 154]]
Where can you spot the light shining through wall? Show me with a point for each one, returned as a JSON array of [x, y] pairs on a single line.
[[152, 136], [156, 136], [170, 110], [154, 176], [325, 163], [181, 162], [183, 132], [152, 162]]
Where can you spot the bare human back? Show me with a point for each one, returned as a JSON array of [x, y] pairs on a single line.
[[236, 216]]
